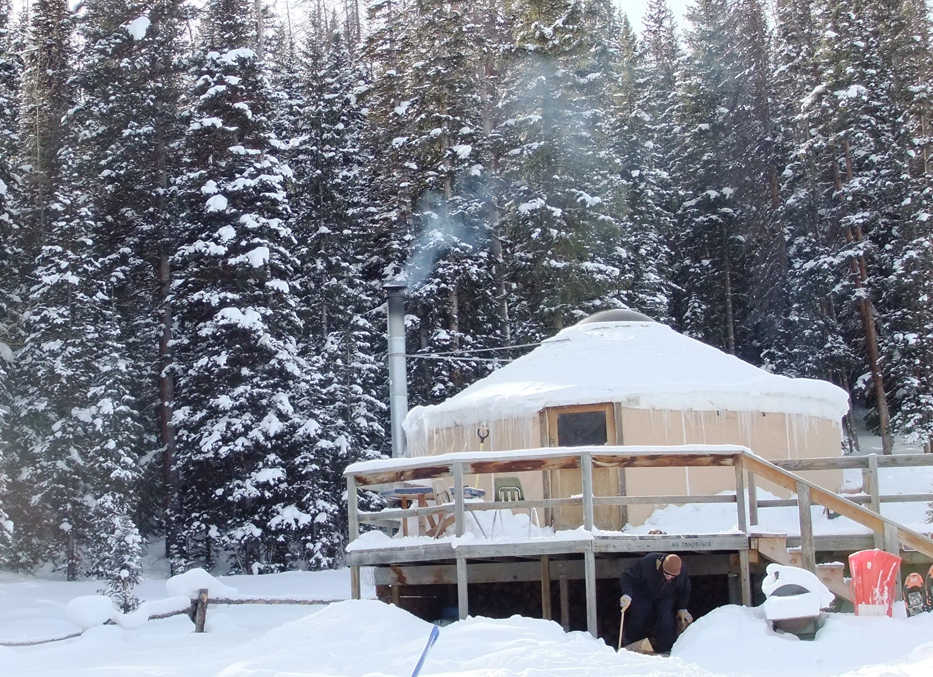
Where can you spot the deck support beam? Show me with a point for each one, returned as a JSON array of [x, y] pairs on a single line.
[[745, 578], [546, 588], [463, 603], [589, 565], [564, 603]]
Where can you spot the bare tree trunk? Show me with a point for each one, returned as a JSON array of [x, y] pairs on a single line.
[[488, 75], [166, 397], [727, 290], [71, 549], [863, 302], [260, 29]]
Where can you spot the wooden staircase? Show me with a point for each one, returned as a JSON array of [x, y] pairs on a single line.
[[773, 547]]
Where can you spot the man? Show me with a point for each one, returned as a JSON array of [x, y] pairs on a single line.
[[655, 590]]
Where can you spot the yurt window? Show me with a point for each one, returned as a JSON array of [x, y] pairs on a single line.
[[581, 425]]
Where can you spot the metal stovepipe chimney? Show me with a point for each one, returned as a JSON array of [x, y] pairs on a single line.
[[398, 378]]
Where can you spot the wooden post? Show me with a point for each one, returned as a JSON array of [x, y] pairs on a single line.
[[458, 499], [623, 491], [873, 488], [733, 589], [589, 567], [752, 499], [463, 603], [892, 544], [353, 519], [200, 614], [745, 578], [546, 588], [740, 496], [875, 496], [586, 473], [564, 603], [353, 529], [355, 583], [807, 549], [396, 593]]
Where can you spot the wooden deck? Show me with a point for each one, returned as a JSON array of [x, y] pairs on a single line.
[[598, 555]]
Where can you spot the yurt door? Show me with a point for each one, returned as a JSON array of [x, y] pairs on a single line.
[[582, 426]]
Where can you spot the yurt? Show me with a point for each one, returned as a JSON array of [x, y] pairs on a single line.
[[620, 378]]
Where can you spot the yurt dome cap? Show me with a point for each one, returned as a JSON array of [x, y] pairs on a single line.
[[616, 315], [637, 362]]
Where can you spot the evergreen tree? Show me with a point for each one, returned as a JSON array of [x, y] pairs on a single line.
[[239, 376], [709, 245], [330, 179], [10, 68], [908, 254], [563, 193], [116, 554], [9, 260], [651, 126], [646, 223], [855, 153], [810, 336], [44, 100]]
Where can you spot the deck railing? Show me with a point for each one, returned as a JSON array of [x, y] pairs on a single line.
[[748, 468]]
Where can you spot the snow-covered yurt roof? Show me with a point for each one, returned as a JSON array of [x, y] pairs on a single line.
[[623, 356]]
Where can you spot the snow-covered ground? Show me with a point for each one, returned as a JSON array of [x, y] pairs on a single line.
[[370, 638], [341, 638]]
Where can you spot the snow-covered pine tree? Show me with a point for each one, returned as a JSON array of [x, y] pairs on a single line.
[[709, 245], [390, 195], [810, 334], [450, 269], [907, 295], [44, 99], [10, 68], [127, 122], [756, 182], [143, 164], [855, 151], [239, 376], [72, 402], [339, 337], [645, 219], [115, 555], [563, 235]]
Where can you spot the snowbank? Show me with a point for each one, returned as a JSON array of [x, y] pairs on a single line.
[[88, 611], [189, 583], [357, 638]]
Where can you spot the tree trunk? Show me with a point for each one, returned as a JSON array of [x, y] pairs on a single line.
[[727, 290], [166, 396], [71, 548], [859, 270], [260, 29]]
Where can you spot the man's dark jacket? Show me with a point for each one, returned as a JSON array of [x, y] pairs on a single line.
[[644, 579]]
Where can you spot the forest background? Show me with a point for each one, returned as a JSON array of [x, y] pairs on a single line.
[[200, 203]]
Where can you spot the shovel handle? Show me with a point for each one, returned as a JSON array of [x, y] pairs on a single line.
[[621, 624]]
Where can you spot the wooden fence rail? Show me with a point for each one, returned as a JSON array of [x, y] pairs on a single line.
[[194, 606]]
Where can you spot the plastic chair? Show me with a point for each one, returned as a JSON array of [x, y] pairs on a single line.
[[508, 490]]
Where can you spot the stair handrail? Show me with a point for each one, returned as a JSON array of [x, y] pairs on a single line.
[[892, 534]]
